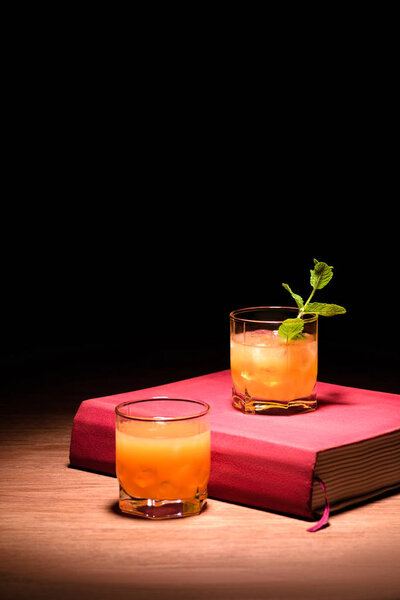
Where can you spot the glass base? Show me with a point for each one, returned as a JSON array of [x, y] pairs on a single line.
[[162, 509], [257, 406]]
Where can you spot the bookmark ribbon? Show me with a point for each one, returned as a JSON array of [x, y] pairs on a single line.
[[325, 515]]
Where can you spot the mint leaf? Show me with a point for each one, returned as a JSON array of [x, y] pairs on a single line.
[[320, 275], [298, 299], [292, 329], [326, 310]]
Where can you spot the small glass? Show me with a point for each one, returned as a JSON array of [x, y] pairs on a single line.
[[271, 375], [162, 457]]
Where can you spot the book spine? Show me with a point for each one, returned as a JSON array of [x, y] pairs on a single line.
[[243, 470], [261, 474], [92, 444]]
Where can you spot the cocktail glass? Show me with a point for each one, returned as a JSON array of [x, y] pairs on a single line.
[[271, 374], [162, 457]]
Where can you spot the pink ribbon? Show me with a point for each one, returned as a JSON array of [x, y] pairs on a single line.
[[325, 515]]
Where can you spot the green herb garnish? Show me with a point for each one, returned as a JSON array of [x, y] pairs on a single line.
[[291, 329]]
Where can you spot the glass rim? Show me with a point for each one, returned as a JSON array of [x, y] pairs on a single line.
[[206, 409], [233, 314]]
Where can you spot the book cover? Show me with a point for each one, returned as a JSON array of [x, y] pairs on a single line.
[[270, 462]]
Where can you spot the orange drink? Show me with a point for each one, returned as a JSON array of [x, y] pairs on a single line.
[[162, 457], [270, 374]]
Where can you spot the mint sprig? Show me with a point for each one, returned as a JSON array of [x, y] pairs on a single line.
[[320, 276]]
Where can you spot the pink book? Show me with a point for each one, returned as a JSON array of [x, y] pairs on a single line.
[[346, 451]]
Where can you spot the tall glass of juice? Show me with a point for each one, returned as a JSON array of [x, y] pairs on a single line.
[[271, 374], [162, 457]]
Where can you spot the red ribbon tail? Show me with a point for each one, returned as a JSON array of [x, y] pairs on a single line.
[[325, 515]]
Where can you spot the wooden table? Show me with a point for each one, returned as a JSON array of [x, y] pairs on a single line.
[[62, 536]]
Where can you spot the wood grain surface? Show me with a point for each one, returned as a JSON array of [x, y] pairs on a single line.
[[62, 536]]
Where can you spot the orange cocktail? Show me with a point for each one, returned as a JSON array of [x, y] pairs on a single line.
[[270, 374], [163, 457]]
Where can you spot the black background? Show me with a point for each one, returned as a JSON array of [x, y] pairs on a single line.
[[112, 296], [128, 236]]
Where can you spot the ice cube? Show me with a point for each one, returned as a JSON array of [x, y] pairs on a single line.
[[166, 490], [145, 477]]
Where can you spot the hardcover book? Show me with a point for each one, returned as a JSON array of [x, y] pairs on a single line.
[[346, 451]]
